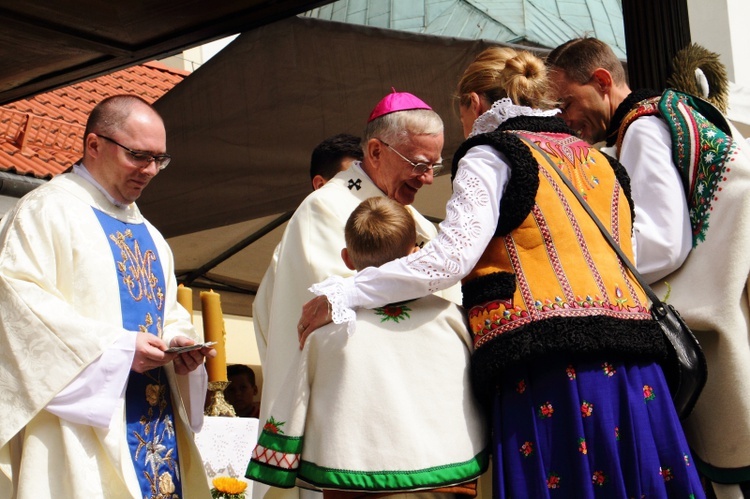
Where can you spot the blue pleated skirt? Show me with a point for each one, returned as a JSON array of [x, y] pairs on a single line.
[[589, 430]]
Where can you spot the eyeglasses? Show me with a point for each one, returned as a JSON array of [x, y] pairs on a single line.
[[141, 159], [417, 168]]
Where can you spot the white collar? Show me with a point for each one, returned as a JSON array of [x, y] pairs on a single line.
[[501, 111], [80, 170]]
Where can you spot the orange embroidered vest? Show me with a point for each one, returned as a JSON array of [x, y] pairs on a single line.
[[549, 283], [563, 267]]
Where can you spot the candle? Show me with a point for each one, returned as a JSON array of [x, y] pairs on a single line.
[[185, 298], [213, 330]]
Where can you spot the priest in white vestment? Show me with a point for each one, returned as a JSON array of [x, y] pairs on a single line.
[[402, 147], [92, 404]]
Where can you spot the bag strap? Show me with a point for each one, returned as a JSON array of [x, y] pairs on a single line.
[[657, 305]]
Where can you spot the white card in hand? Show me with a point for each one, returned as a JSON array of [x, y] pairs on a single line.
[[190, 347]]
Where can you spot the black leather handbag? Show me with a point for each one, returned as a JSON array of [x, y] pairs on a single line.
[[690, 372]]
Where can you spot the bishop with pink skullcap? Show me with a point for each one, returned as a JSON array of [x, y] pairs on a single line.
[[397, 101]]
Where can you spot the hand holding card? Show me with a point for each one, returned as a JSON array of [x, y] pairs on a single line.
[[190, 347]]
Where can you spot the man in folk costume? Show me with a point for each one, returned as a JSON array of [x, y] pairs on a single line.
[[690, 177], [402, 147], [92, 404]]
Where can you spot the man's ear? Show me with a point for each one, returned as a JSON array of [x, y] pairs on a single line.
[[374, 150], [93, 144], [347, 261], [318, 181], [602, 79]]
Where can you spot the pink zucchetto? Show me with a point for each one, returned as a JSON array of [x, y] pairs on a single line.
[[397, 101]]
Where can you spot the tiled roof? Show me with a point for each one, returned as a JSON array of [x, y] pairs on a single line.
[[43, 136]]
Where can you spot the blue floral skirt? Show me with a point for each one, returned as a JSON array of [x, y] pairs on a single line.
[[589, 430]]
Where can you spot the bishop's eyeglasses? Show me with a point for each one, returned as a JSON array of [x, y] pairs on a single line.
[[417, 168]]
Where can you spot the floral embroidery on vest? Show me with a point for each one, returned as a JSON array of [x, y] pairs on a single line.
[[395, 312]]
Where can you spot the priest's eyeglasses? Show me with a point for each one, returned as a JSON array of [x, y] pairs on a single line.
[[141, 159], [417, 168]]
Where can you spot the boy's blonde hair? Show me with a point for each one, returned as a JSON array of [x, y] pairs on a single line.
[[379, 230]]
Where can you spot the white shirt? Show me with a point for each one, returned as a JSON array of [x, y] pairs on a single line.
[[661, 229]]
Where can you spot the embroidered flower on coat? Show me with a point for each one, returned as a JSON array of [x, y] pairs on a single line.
[[666, 473], [587, 408], [527, 449], [582, 446], [608, 369], [546, 410], [599, 478], [553, 480], [273, 426], [571, 372], [396, 312], [648, 393]]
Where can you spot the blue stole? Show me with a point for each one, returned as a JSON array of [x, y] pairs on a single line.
[[148, 403]]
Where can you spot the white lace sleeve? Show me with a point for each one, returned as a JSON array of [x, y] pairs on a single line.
[[472, 216], [336, 288]]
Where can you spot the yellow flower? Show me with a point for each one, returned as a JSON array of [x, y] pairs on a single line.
[[229, 485]]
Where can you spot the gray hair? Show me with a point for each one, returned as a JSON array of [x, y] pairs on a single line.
[[396, 128]]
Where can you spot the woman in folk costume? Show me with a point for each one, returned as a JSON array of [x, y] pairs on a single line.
[[566, 353]]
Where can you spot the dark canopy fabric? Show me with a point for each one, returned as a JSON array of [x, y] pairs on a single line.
[[48, 44], [242, 127]]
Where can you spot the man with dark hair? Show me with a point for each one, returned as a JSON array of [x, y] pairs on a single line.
[[689, 176], [94, 404], [333, 155]]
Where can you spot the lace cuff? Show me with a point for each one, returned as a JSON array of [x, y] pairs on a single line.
[[337, 290]]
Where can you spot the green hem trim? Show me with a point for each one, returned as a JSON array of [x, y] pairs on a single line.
[[722, 475], [276, 477], [438, 476], [281, 443]]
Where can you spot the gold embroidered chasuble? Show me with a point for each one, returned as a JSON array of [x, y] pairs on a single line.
[[60, 311]]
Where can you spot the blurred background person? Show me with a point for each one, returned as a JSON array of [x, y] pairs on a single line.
[[242, 391]]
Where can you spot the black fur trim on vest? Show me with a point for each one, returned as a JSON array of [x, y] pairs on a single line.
[[495, 286], [570, 337], [624, 179], [623, 109], [526, 123]]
